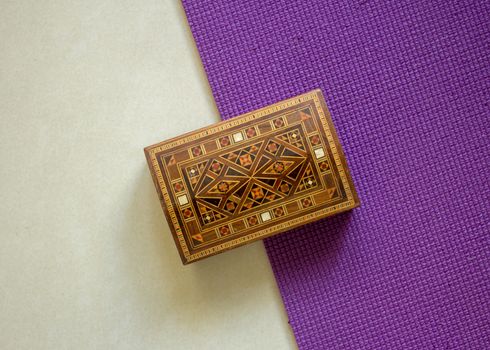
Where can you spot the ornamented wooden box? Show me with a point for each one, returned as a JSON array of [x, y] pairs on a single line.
[[251, 177]]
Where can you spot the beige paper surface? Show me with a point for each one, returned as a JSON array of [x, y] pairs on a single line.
[[86, 258]]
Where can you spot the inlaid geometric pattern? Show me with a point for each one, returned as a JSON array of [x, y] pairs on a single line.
[[250, 177]]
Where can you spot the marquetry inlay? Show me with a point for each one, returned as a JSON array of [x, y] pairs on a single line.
[[252, 176]]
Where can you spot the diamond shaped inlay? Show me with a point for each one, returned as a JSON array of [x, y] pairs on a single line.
[[250, 177]]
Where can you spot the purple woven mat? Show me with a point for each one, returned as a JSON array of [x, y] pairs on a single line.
[[408, 87]]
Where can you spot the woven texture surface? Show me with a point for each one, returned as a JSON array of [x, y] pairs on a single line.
[[408, 87]]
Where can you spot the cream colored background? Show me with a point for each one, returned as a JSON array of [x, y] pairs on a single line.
[[86, 257]]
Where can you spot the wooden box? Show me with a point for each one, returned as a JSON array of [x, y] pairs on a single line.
[[251, 177]]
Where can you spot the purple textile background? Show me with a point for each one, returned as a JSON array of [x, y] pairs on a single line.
[[408, 87]]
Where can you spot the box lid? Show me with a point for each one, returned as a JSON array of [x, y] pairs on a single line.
[[252, 176]]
